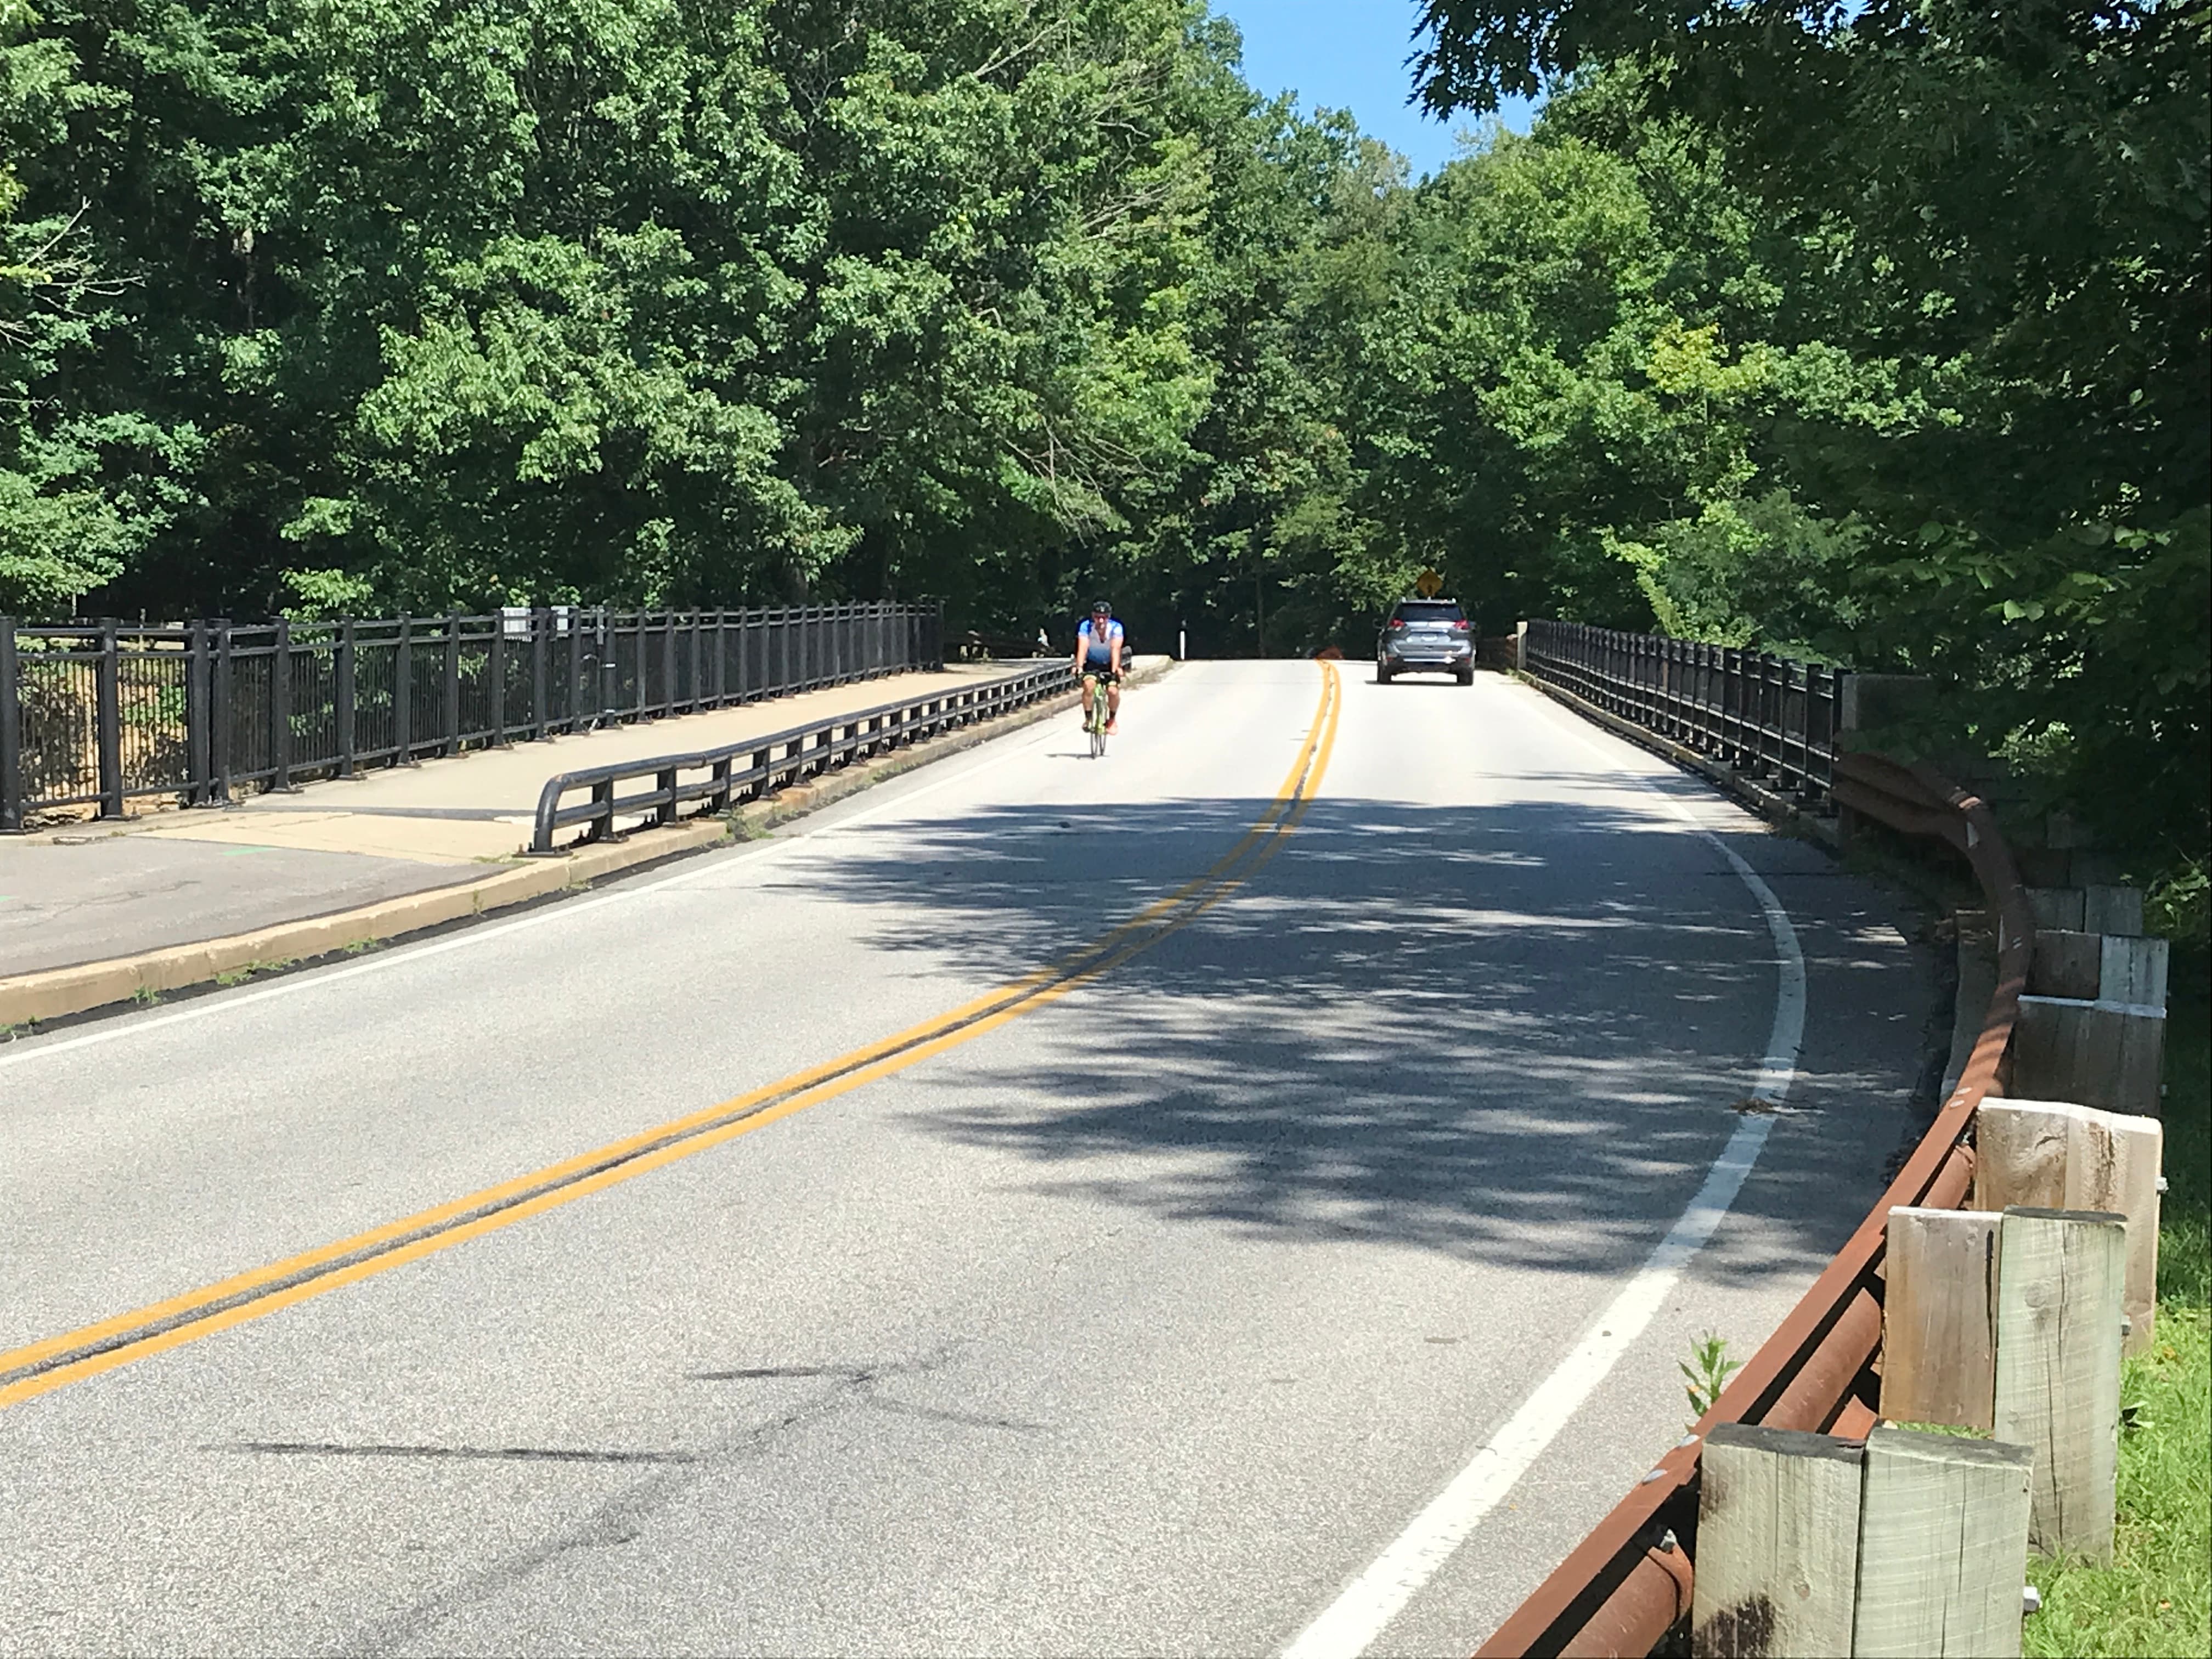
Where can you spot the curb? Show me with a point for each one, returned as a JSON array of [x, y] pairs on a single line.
[[57, 993], [1764, 801], [54, 993]]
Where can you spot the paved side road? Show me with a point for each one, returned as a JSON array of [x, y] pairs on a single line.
[[1138, 1308]]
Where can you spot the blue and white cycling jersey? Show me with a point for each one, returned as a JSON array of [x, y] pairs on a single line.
[[1098, 648]]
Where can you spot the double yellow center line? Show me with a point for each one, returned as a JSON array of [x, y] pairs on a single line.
[[86, 1352]]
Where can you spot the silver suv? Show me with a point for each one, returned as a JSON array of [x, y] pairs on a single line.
[[1426, 636]]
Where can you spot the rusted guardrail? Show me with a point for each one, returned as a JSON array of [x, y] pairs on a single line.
[[1628, 1583]]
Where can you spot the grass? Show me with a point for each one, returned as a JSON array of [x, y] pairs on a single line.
[[1705, 1373], [239, 976], [2156, 1597]]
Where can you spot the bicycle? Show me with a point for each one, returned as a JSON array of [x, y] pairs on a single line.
[[1095, 719]]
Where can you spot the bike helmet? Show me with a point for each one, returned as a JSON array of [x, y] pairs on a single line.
[[1100, 608]]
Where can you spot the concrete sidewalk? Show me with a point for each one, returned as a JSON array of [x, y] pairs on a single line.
[[101, 912], [479, 805], [112, 896]]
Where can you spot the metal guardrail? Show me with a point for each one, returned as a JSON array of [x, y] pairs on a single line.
[[1628, 1584], [1766, 716], [95, 715], [772, 761]]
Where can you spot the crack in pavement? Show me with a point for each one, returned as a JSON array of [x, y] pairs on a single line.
[[623, 1518], [463, 1454]]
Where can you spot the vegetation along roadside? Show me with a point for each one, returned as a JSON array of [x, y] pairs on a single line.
[[1760, 337], [2156, 1597]]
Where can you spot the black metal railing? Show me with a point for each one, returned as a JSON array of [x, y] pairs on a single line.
[[1769, 717], [721, 778], [98, 714]]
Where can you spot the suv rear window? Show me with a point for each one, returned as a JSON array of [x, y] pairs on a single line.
[[1430, 610]]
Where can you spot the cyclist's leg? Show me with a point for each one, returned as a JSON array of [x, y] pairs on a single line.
[[1089, 697], [1112, 702]]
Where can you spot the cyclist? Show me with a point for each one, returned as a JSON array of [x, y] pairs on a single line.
[[1098, 657]]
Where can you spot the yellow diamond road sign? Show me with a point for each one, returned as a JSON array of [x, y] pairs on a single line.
[[1428, 584]]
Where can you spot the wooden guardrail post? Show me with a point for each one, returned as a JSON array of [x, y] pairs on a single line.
[[1942, 1548], [2067, 963], [2060, 1274], [1778, 1544], [2092, 1027], [2132, 970], [2112, 909], [2108, 1055], [1939, 1318], [2054, 1154], [2083, 967], [2093, 909], [2059, 908]]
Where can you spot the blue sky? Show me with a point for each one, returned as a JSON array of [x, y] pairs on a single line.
[[1348, 54]]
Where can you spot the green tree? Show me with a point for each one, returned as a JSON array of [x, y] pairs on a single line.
[[2001, 216], [84, 485]]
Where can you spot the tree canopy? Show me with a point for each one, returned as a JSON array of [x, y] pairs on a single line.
[[1875, 332], [1992, 222]]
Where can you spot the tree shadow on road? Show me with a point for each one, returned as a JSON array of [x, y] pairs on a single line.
[[1520, 1033]]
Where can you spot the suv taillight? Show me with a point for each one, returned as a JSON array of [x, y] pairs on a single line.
[[1396, 623], [1462, 626]]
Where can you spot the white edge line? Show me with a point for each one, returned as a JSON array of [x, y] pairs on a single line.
[[1350, 1624], [24, 1050]]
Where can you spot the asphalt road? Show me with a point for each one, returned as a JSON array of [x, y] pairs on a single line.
[[1138, 1309]]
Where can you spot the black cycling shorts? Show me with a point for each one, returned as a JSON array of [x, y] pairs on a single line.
[[1098, 670]]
